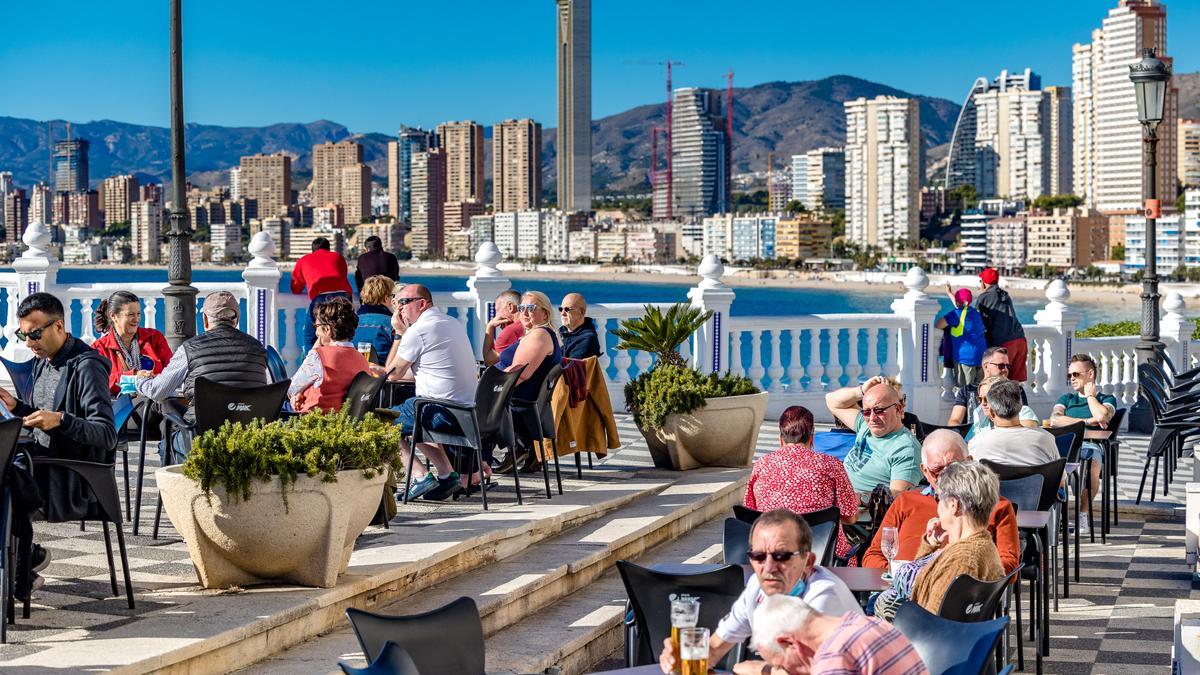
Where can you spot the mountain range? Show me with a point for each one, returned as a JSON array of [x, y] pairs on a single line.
[[783, 118]]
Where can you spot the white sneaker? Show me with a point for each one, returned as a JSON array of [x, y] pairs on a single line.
[[1084, 526]]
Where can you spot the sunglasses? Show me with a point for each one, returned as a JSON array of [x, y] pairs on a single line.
[[34, 335], [1001, 366], [526, 308], [777, 556], [878, 412], [564, 310], [400, 302], [1074, 375]]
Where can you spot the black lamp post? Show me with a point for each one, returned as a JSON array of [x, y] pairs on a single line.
[[1150, 77], [179, 296]]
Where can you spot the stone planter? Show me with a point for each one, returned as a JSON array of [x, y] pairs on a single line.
[[235, 542], [722, 433]]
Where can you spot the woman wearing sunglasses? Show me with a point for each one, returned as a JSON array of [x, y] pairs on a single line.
[[130, 348], [538, 351]]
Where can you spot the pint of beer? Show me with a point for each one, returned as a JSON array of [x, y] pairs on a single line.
[[364, 348], [693, 651], [685, 614]]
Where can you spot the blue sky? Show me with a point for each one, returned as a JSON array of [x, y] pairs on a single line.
[[375, 65]]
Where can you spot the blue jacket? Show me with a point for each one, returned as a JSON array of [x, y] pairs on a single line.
[[582, 342], [375, 326], [967, 344]]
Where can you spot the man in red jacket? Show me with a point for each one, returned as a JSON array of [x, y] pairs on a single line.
[[326, 277]]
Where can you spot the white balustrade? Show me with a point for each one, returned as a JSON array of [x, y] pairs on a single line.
[[795, 369], [735, 353], [775, 372]]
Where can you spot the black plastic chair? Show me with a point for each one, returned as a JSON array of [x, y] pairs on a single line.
[[10, 434], [648, 591], [487, 423], [122, 411], [1076, 432], [949, 647], [970, 599], [21, 374], [924, 429], [275, 365], [824, 543], [1173, 423], [745, 514], [445, 640], [735, 542], [393, 660], [363, 394], [537, 420]]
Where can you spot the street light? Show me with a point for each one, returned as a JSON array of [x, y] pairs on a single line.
[[1150, 77], [179, 296]]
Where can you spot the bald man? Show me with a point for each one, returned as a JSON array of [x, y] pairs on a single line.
[[884, 452], [578, 331]]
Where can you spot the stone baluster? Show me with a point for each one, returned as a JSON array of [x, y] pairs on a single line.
[[291, 348], [68, 312], [712, 294], [854, 368], [833, 369], [643, 361], [795, 370], [685, 350], [1176, 331], [891, 364], [37, 271], [775, 371], [10, 323], [756, 366], [87, 331], [602, 337], [919, 346], [735, 353], [816, 369], [489, 282], [1063, 320], [262, 284], [1129, 359], [621, 362], [150, 313], [870, 367]]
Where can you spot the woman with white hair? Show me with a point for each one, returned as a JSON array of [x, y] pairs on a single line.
[[538, 351]]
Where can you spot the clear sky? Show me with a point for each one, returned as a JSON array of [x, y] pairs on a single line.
[[373, 65]]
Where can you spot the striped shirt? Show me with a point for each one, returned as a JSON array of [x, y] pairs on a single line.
[[867, 645]]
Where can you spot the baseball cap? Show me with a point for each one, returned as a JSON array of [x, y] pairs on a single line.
[[989, 276], [221, 306], [963, 296]]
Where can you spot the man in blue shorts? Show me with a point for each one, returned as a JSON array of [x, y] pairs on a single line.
[[1085, 404]]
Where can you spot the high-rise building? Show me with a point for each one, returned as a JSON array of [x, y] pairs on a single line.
[[462, 143], [267, 179], [40, 204], [1188, 153], [1108, 137], [428, 202], [411, 140], [701, 158], [1060, 160], [60, 209], [151, 192], [71, 165], [146, 224], [457, 215], [6, 186], [883, 170], [84, 209], [328, 161], [963, 164], [574, 105], [803, 236], [1177, 241], [1066, 238], [516, 165], [117, 193], [355, 191], [16, 214], [824, 178], [235, 183], [976, 222]]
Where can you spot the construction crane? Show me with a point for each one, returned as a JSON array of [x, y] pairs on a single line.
[[670, 176]]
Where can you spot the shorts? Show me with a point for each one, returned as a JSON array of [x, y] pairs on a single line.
[[1092, 451]]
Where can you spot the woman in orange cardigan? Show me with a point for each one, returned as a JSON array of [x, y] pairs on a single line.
[[130, 348]]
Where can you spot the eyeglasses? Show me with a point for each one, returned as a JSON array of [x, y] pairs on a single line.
[[935, 471], [1074, 375], [400, 302], [526, 308], [34, 335], [777, 556], [1001, 366], [878, 412], [565, 309]]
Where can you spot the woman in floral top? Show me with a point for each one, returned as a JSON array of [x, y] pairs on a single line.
[[800, 479]]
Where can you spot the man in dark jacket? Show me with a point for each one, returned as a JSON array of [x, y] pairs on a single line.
[[374, 261], [71, 417], [1000, 324], [578, 332]]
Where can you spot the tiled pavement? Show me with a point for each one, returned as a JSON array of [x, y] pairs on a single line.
[[1118, 619]]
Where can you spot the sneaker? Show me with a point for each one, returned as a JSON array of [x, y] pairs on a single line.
[[446, 487], [1084, 526], [40, 558], [419, 488], [23, 591]]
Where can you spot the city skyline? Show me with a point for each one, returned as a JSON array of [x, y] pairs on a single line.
[[426, 81]]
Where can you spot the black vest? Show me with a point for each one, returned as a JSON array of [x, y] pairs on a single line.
[[226, 355]]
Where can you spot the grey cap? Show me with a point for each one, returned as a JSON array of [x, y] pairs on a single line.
[[221, 306]]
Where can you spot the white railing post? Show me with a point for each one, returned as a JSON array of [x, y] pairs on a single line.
[[487, 282], [712, 294], [262, 284], [1063, 320], [919, 347], [37, 270], [1176, 330]]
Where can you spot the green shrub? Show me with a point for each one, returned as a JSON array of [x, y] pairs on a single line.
[[669, 389], [317, 443], [1122, 328]]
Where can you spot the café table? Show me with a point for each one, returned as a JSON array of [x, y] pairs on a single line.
[[652, 669], [860, 579], [1038, 522], [1102, 436]]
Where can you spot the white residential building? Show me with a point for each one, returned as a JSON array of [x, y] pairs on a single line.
[[1188, 153], [974, 233], [145, 229], [883, 170], [504, 231], [1177, 243], [226, 240], [529, 235], [1006, 237]]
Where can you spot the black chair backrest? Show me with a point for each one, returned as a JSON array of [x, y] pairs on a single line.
[[492, 398], [10, 433], [393, 660], [545, 398], [911, 422], [824, 542], [1051, 473], [745, 513], [1066, 443], [363, 394], [969, 599], [1023, 492], [1077, 429], [275, 365], [649, 593], [815, 518], [924, 429], [736, 542], [1114, 424], [21, 374], [946, 646], [445, 640], [215, 403]]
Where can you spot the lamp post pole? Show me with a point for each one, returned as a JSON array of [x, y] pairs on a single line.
[[179, 295]]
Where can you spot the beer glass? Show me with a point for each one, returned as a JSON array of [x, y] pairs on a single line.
[[685, 613], [364, 348], [693, 651]]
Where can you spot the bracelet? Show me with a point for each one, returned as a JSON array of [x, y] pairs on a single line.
[[861, 393]]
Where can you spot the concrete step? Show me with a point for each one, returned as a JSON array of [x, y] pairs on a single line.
[[521, 587]]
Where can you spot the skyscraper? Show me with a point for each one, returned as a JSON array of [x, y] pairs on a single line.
[[16, 214], [410, 141], [145, 228], [40, 204], [356, 192], [1108, 137], [883, 170], [1188, 153], [963, 165], [1012, 144], [235, 183], [516, 165], [267, 179], [117, 193], [428, 201], [1060, 160], [574, 49], [462, 143], [71, 165], [83, 209], [6, 186], [701, 157], [819, 178], [328, 160]]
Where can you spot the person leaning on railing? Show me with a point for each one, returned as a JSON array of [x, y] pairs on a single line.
[[130, 348], [884, 452], [325, 375]]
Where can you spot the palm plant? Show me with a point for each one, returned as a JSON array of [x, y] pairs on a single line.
[[660, 332]]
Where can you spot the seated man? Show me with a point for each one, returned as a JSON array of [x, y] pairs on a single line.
[[966, 402], [1008, 442], [1087, 404], [776, 534], [884, 452], [578, 330], [435, 347], [71, 415], [979, 418], [222, 353], [797, 639], [911, 512], [506, 320]]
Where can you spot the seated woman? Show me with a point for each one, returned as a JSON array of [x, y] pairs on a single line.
[[538, 351], [325, 375], [956, 542], [130, 349], [800, 479], [375, 315], [979, 417]]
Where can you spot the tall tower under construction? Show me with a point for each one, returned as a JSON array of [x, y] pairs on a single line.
[[574, 105]]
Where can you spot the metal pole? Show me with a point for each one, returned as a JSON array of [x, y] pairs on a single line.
[[179, 295], [1141, 418]]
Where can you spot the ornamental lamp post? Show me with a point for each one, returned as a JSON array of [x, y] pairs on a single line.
[[1150, 77], [179, 295]]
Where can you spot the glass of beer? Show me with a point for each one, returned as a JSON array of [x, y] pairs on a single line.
[[364, 348], [693, 651], [685, 613]]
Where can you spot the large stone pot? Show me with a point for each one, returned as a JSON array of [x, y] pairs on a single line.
[[722, 433], [235, 542]]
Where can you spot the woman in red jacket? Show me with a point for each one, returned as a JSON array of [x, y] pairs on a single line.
[[128, 347]]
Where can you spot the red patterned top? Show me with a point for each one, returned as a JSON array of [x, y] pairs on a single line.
[[802, 480]]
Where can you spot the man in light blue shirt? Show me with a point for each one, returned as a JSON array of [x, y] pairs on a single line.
[[884, 452]]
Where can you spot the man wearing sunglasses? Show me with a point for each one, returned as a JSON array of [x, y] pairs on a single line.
[[884, 452], [1086, 403], [70, 413], [996, 362], [783, 562], [578, 330]]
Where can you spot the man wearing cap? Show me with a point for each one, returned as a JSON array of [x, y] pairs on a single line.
[[1001, 327], [966, 338], [222, 353]]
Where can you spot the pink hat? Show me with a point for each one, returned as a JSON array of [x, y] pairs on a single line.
[[963, 297]]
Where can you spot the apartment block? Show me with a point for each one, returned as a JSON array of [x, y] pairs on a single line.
[[71, 165], [819, 178], [428, 202], [1066, 238], [516, 165], [266, 179], [41, 204], [462, 143], [802, 237], [355, 194], [117, 194], [146, 230], [84, 209], [1188, 153], [457, 215], [574, 54], [328, 162], [226, 240], [883, 170], [16, 214], [1006, 243], [1177, 242]]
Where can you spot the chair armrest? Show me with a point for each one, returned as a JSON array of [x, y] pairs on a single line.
[[177, 420], [385, 414], [464, 415]]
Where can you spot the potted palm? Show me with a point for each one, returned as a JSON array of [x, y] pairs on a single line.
[[281, 501], [688, 419]]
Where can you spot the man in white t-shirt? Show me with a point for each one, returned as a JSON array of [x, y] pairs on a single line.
[[435, 347], [1007, 442], [783, 561]]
